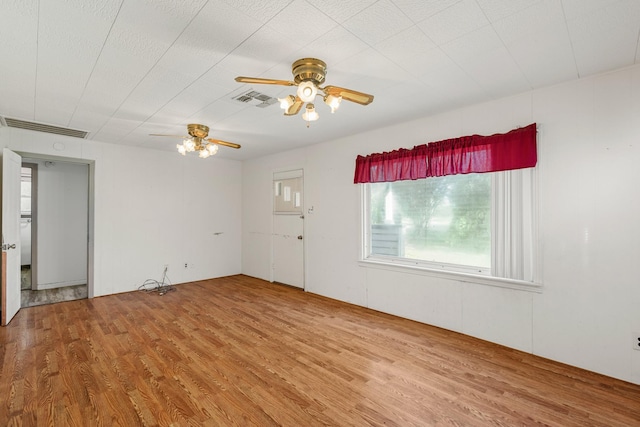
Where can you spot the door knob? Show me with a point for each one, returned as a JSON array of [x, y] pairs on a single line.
[[13, 246], [299, 238]]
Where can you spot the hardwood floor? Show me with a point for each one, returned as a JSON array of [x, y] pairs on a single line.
[[241, 351]]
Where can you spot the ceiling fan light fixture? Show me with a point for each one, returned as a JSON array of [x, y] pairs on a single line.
[[309, 77], [197, 141], [286, 102], [189, 145], [307, 91], [333, 102], [310, 114]]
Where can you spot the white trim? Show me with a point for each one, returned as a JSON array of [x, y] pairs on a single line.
[[91, 164], [519, 285]]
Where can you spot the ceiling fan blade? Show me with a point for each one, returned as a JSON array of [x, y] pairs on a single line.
[[225, 143], [295, 107], [258, 80], [173, 136], [349, 94]]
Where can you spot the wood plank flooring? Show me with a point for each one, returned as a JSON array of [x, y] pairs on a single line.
[[239, 351]]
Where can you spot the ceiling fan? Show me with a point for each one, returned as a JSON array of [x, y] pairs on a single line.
[[308, 75], [198, 141]]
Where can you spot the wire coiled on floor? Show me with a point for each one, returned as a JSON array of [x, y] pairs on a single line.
[[152, 285]]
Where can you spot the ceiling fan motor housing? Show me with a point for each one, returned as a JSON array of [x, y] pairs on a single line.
[[309, 69], [198, 131]]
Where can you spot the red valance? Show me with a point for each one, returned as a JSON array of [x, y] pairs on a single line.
[[476, 153]]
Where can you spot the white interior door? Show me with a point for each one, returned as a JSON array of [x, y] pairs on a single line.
[[11, 168], [288, 229]]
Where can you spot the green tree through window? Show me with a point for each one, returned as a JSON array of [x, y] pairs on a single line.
[[443, 219]]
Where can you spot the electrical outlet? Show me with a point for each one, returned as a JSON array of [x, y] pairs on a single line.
[[186, 265], [636, 341]]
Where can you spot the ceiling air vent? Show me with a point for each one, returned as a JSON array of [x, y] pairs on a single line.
[[256, 98], [40, 127]]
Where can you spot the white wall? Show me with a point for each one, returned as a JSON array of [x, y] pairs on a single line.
[[589, 149], [152, 208], [62, 211]]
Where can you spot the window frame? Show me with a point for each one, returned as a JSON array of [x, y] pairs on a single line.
[[462, 273]]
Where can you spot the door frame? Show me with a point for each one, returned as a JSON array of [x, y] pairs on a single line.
[[91, 207], [284, 173]]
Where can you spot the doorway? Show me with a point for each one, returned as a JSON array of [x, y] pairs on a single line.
[[53, 231], [28, 228], [288, 228]]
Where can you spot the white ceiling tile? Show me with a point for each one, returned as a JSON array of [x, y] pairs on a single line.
[[499, 9], [378, 22], [419, 10], [366, 72], [113, 79], [497, 73], [438, 63], [116, 128], [545, 58], [454, 84], [88, 120], [576, 8], [128, 40], [340, 10], [70, 38], [189, 62], [473, 45], [219, 111], [17, 104], [333, 46], [621, 24], [132, 50], [18, 50], [545, 15], [453, 22], [216, 30], [158, 88], [315, 26], [18, 27], [263, 10], [410, 50], [160, 21], [396, 97], [192, 100], [54, 109], [483, 57], [267, 45]]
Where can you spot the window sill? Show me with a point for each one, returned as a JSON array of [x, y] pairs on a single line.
[[500, 282]]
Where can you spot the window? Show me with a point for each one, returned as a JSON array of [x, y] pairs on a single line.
[[479, 223], [437, 220]]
